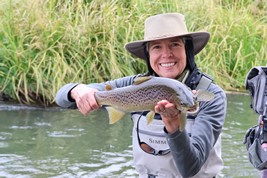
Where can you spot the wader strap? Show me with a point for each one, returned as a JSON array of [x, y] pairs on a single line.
[[204, 83], [151, 176]]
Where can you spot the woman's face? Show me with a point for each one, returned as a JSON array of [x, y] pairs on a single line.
[[167, 57]]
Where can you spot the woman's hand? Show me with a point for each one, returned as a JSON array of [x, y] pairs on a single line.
[[169, 114], [84, 98]]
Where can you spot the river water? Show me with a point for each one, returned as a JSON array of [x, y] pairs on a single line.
[[60, 143]]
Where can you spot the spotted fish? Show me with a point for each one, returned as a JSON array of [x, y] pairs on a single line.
[[145, 93]]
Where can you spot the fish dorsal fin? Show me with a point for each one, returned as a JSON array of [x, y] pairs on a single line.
[[114, 115], [204, 95], [108, 87], [140, 80], [150, 116]]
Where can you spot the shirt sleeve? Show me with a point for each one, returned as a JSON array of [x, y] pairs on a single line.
[[64, 100], [191, 152]]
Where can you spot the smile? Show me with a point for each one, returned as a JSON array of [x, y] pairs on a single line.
[[167, 64]]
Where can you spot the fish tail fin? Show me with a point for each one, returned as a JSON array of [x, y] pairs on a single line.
[[150, 117], [114, 115]]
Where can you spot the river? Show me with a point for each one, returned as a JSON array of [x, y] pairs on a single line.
[[57, 143]]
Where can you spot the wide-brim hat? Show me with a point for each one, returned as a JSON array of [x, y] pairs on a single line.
[[165, 26]]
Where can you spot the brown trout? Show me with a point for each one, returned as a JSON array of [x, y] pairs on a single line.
[[145, 93]]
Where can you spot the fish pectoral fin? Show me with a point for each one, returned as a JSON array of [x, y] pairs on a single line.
[[140, 80], [114, 115], [204, 95], [150, 116], [182, 121]]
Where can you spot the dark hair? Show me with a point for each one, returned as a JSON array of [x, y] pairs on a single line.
[[149, 68], [190, 55]]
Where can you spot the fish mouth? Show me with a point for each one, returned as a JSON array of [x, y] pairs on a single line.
[[167, 64], [193, 111]]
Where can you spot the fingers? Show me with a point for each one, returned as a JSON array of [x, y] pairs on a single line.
[[160, 107], [167, 109], [84, 98], [194, 91], [84, 106], [170, 115]]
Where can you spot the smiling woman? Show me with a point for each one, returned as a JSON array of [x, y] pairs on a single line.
[[169, 50], [167, 57]]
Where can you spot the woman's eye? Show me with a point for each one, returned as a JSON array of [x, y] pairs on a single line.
[[176, 44], [155, 47]]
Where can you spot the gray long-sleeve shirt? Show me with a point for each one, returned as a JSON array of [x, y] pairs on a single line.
[[189, 152]]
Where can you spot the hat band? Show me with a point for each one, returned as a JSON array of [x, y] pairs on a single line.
[[159, 37]]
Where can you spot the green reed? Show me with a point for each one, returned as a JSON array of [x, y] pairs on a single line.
[[45, 44]]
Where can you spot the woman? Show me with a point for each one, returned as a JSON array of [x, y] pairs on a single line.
[[160, 149]]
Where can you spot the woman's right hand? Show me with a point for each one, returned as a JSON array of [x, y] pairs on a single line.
[[84, 98]]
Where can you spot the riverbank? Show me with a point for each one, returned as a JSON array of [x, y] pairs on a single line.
[[4, 97], [46, 44]]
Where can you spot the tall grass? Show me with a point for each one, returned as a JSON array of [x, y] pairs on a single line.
[[45, 44]]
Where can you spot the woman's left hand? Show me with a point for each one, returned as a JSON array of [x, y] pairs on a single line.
[[170, 115]]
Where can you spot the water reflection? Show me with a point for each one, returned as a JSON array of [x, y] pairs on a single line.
[[36, 142]]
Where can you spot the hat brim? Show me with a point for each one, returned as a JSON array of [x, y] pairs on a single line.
[[200, 39]]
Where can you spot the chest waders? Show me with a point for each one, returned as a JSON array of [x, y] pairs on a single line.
[[160, 163]]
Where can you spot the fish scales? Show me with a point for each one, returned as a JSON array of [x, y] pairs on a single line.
[[145, 93], [136, 98]]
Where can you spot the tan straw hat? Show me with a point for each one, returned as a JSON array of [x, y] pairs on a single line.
[[164, 26]]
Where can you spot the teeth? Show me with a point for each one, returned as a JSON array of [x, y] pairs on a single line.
[[167, 64]]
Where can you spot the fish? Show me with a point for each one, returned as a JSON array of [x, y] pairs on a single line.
[[145, 93]]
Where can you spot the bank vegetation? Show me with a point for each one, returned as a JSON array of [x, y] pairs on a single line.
[[45, 44]]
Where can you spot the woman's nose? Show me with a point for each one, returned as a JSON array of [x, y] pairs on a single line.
[[167, 52]]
